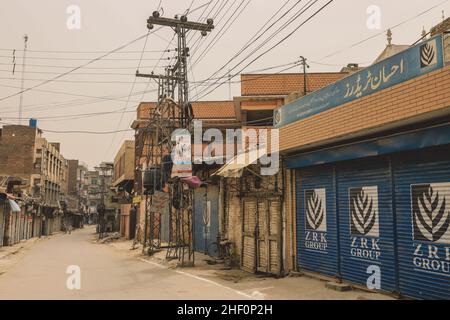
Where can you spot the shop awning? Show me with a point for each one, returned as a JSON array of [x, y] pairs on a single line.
[[14, 206], [417, 139], [235, 167]]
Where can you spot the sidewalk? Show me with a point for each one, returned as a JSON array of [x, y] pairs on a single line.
[[255, 286], [6, 252]]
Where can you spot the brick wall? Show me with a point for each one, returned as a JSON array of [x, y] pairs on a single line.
[[17, 144], [73, 177], [408, 100], [285, 83]]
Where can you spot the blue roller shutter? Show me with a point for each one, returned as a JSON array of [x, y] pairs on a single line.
[[206, 207], [366, 223], [422, 181], [316, 220]]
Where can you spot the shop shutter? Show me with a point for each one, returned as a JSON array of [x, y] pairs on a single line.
[[206, 219], [366, 223], [422, 185], [273, 236], [262, 236], [248, 259], [316, 220]]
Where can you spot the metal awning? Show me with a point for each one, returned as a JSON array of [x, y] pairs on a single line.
[[235, 167], [14, 206]]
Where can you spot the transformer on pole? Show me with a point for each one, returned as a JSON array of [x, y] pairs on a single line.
[[173, 112]]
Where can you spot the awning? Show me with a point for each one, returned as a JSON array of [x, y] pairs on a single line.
[[413, 140], [235, 167], [14, 206]]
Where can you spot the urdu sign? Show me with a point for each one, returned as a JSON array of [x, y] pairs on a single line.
[[411, 63]]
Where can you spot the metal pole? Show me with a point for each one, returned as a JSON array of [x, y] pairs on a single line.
[[22, 85]]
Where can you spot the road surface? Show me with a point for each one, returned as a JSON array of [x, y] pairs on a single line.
[[41, 273]]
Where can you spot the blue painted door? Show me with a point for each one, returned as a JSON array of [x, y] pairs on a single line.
[[366, 223], [316, 220], [206, 228], [422, 186]]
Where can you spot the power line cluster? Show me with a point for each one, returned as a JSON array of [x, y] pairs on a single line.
[[288, 19]]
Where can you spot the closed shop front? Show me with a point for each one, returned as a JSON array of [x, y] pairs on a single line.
[[387, 216], [422, 189], [366, 222], [248, 259], [206, 219], [261, 242], [316, 215]]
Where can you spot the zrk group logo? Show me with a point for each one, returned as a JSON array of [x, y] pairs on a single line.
[[428, 54], [364, 212], [431, 212], [316, 211]]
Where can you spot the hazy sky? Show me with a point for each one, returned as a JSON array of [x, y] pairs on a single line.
[[107, 24]]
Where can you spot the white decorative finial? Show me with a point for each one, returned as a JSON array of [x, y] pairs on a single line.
[[424, 34]]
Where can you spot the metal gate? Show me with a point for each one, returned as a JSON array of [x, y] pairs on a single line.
[[206, 208], [366, 222], [260, 237], [422, 183], [316, 220]]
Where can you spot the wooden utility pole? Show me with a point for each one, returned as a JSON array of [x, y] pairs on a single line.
[[305, 77]]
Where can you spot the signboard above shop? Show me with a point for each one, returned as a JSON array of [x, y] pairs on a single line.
[[418, 60]]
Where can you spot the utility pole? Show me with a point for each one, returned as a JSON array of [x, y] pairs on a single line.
[[168, 116], [25, 46], [305, 77]]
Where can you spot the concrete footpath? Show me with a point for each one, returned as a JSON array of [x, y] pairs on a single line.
[[298, 287], [43, 269]]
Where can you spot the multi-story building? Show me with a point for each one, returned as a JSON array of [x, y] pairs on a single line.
[[76, 197], [91, 189], [40, 170], [123, 182]]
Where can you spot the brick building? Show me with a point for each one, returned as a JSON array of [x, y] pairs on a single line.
[[123, 181], [221, 202], [42, 172], [368, 174]]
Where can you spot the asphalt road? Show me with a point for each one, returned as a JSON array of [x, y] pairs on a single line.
[[41, 273]]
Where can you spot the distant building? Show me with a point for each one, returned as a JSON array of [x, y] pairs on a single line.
[[76, 198], [123, 182]]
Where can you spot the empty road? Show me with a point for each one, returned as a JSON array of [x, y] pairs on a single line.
[[40, 273]]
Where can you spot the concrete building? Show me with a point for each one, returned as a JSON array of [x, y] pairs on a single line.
[[41, 174], [123, 182], [76, 198]]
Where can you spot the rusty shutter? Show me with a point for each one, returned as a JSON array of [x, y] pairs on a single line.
[[248, 260], [262, 237], [274, 237]]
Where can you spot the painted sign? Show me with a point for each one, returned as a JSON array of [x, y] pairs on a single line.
[[316, 220], [411, 63], [364, 223], [431, 227]]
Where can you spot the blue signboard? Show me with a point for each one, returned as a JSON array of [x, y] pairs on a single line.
[[413, 62]]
